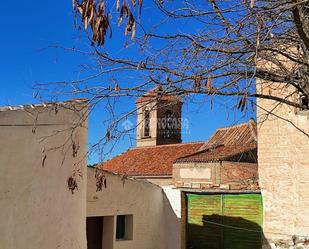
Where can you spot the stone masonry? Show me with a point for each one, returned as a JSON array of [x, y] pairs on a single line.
[[283, 147]]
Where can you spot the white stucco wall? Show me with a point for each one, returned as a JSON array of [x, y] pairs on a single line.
[[155, 225], [172, 213], [173, 196], [37, 209]]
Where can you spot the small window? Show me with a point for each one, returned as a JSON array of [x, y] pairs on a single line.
[[147, 124], [124, 227], [168, 124]]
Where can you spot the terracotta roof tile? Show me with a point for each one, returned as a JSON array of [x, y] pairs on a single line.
[[158, 160], [220, 153], [152, 160], [244, 133], [226, 143]]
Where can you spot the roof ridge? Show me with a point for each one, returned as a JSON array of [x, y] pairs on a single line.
[[193, 154], [208, 149], [233, 126], [243, 148], [168, 145]]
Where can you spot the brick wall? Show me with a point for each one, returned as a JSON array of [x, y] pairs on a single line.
[[227, 175], [239, 175]]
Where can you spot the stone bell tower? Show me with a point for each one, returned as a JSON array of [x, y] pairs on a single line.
[[158, 118]]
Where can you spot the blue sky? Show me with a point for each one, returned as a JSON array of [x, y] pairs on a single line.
[[28, 30]]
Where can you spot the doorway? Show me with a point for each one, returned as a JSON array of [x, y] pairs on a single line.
[[94, 227]]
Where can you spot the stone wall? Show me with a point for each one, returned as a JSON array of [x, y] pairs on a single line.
[[283, 146], [37, 208], [301, 242]]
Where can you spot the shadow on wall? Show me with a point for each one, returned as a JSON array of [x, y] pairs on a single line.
[[172, 224], [225, 232]]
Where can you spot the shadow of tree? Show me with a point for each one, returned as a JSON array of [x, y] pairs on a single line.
[[225, 232]]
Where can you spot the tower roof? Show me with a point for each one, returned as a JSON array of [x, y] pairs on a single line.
[[158, 93]]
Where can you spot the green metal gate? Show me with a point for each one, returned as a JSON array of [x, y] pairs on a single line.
[[224, 221]]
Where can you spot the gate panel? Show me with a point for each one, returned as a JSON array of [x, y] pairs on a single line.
[[224, 221], [199, 234], [243, 219]]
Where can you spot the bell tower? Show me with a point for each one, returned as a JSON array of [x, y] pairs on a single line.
[[158, 119]]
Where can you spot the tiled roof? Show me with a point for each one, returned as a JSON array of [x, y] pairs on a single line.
[[240, 134], [222, 153], [158, 93], [150, 161], [227, 143]]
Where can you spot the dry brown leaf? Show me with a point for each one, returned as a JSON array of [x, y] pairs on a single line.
[[80, 9], [117, 5], [100, 179], [133, 31], [197, 83], [119, 21], [43, 160], [117, 88], [251, 4], [209, 84], [242, 103], [72, 184], [130, 24]]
